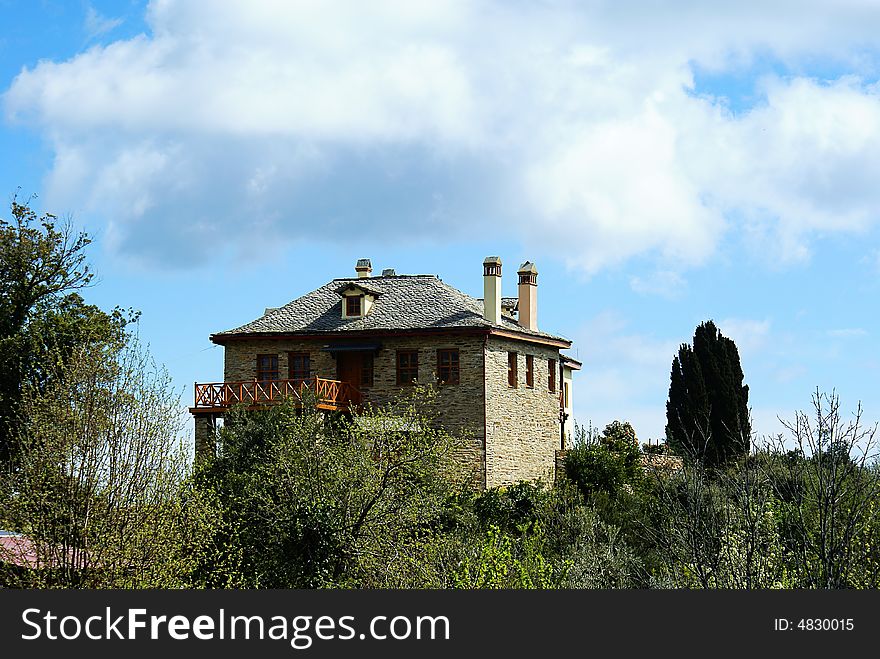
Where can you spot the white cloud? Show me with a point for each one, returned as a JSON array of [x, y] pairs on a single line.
[[847, 333], [96, 24], [570, 125], [627, 376], [664, 283], [790, 373], [803, 163], [749, 335]]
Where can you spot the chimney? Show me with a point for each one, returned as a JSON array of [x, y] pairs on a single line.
[[363, 268], [492, 289], [388, 272], [528, 295]]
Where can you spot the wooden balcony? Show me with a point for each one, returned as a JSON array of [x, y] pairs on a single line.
[[325, 394]]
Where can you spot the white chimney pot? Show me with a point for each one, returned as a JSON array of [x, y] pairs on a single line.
[[492, 289]]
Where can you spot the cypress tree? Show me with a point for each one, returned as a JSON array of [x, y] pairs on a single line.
[[707, 414]]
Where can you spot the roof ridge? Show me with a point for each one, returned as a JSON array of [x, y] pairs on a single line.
[[387, 277], [409, 302]]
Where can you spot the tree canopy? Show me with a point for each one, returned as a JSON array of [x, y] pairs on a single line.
[[707, 414], [43, 319]]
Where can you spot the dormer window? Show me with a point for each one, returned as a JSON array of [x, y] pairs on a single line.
[[354, 305], [357, 299]]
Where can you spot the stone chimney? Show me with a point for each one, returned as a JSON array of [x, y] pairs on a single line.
[[528, 295], [492, 289], [364, 268]]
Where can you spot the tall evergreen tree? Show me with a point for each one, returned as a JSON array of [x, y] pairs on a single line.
[[707, 414]]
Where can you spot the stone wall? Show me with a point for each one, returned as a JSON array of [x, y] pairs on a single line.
[[522, 423], [663, 465], [517, 438], [460, 406], [205, 436]]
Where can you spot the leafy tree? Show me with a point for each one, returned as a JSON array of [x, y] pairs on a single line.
[[606, 462], [830, 485], [717, 530], [311, 500], [101, 485], [530, 536], [512, 509], [43, 320], [707, 414]]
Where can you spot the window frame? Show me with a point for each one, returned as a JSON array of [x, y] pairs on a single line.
[[349, 300], [512, 369], [530, 371], [265, 375], [411, 368], [453, 368], [291, 359]]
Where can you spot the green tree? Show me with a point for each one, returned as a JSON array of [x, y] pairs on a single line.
[[829, 486], [707, 414], [606, 462], [315, 500], [101, 485], [43, 320]]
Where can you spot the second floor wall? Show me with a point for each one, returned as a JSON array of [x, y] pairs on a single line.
[[502, 394]]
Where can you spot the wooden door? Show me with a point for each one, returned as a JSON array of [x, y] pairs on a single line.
[[349, 366]]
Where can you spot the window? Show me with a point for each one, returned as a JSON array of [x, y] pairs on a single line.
[[551, 376], [447, 366], [367, 370], [511, 369], [530, 371], [353, 305], [565, 397], [267, 367], [407, 366], [299, 366]]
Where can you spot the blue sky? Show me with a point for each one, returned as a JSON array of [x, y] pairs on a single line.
[[661, 165]]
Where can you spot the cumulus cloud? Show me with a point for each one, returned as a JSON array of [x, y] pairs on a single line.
[[568, 124]]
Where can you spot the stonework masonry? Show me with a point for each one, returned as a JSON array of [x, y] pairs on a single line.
[[205, 440], [522, 423], [511, 433], [459, 406]]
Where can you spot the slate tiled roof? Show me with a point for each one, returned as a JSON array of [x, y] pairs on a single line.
[[406, 302]]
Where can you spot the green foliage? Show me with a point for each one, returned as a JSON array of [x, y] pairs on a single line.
[[602, 558], [655, 449], [707, 413], [718, 532], [802, 517], [100, 486], [513, 509], [500, 561], [311, 500], [604, 463], [43, 321], [829, 483]]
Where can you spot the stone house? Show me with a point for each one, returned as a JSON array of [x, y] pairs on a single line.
[[503, 382]]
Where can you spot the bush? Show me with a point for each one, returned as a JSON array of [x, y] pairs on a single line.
[[316, 501], [513, 509], [606, 462]]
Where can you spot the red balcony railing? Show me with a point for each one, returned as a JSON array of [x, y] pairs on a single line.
[[326, 394]]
